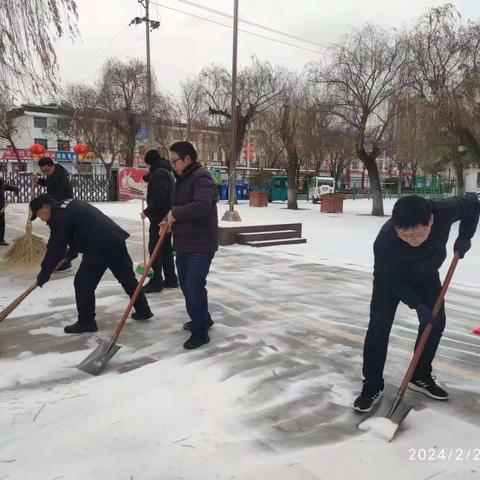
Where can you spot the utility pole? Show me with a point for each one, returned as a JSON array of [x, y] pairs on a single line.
[[150, 25], [231, 215]]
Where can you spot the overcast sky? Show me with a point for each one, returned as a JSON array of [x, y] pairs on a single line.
[[184, 44]]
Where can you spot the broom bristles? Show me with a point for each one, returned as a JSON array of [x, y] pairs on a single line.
[[29, 249]]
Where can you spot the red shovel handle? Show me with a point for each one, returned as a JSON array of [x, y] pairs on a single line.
[[428, 328], [133, 299]]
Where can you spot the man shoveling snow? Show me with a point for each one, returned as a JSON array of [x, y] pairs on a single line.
[[409, 251], [85, 229]]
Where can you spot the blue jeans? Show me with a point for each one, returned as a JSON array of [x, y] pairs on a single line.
[[192, 269]]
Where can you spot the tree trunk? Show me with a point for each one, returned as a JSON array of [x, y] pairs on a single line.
[[375, 187], [400, 179], [130, 151], [292, 167], [460, 180]]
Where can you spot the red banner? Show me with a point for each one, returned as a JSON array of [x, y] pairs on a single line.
[[25, 154], [131, 184]]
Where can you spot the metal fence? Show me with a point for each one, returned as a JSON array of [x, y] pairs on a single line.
[[90, 188]]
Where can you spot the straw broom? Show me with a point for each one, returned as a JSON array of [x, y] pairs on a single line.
[[29, 249]]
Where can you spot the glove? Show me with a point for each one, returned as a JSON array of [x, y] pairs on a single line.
[[42, 278], [71, 255], [462, 246], [424, 314]]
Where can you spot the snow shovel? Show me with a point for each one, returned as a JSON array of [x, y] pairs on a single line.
[[98, 359], [141, 266], [477, 331], [391, 414], [7, 311]]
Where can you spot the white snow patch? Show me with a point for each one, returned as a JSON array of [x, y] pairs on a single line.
[[380, 426]]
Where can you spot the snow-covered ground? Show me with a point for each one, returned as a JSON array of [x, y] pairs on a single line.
[[270, 396]]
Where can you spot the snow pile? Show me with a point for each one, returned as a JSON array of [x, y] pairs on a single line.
[[380, 426]]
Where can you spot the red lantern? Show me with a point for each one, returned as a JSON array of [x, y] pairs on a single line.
[[37, 149], [80, 149]]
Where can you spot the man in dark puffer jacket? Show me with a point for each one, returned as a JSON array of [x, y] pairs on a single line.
[[160, 194], [194, 221]]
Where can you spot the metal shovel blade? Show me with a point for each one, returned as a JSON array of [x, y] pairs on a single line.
[[98, 359], [389, 409]]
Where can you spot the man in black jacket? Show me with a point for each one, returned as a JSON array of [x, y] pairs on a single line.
[[160, 194], [409, 251], [85, 229], [58, 187], [4, 186], [194, 221], [56, 180]]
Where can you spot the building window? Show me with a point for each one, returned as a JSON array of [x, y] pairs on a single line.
[[85, 169], [19, 167], [63, 144], [41, 141], [40, 122]]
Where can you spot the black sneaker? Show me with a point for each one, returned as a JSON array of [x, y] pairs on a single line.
[[3, 243], [81, 327], [196, 340], [151, 288], [188, 325], [66, 267], [428, 387], [142, 316], [371, 394]]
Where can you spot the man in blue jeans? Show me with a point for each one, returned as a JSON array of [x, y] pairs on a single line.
[[194, 222]]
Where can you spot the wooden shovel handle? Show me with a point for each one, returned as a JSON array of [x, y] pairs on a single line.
[[138, 290], [428, 328], [7, 311]]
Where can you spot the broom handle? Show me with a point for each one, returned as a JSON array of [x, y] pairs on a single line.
[[143, 231], [137, 291], [7, 311], [428, 328]]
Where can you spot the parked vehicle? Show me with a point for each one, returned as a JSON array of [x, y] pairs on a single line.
[[319, 186]]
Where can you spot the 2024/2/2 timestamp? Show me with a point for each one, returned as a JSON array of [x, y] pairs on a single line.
[[444, 454]]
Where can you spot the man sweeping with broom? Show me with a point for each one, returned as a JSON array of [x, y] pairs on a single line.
[[82, 228]]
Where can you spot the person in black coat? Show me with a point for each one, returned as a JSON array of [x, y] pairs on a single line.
[[409, 251], [58, 187], [56, 180], [4, 186], [85, 229], [160, 194], [194, 221]]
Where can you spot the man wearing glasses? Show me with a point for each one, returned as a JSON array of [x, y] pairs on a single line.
[[194, 222], [409, 251]]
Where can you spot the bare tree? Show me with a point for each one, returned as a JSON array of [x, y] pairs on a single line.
[[28, 30], [446, 52], [364, 80], [8, 129], [89, 123], [123, 99], [340, 144], [257, 88], [192, 106]]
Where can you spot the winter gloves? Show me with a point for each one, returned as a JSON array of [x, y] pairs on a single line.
[[462, 246], [424, 314], [42, 278]]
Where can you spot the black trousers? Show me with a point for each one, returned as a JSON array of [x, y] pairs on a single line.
[[164, 261], [90, 272], [382, 312], [2, 225]]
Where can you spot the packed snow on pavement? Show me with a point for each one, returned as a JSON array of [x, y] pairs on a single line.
[[271, 394]]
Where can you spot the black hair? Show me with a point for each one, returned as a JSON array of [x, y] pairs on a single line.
[[410, 211], [45, 161], [182, 149]]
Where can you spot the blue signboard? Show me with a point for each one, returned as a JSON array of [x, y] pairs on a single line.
[[65, 156], [142, 132]]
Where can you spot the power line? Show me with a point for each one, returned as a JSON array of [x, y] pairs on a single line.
[[230, 26], [248, 22], [101, 49]]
